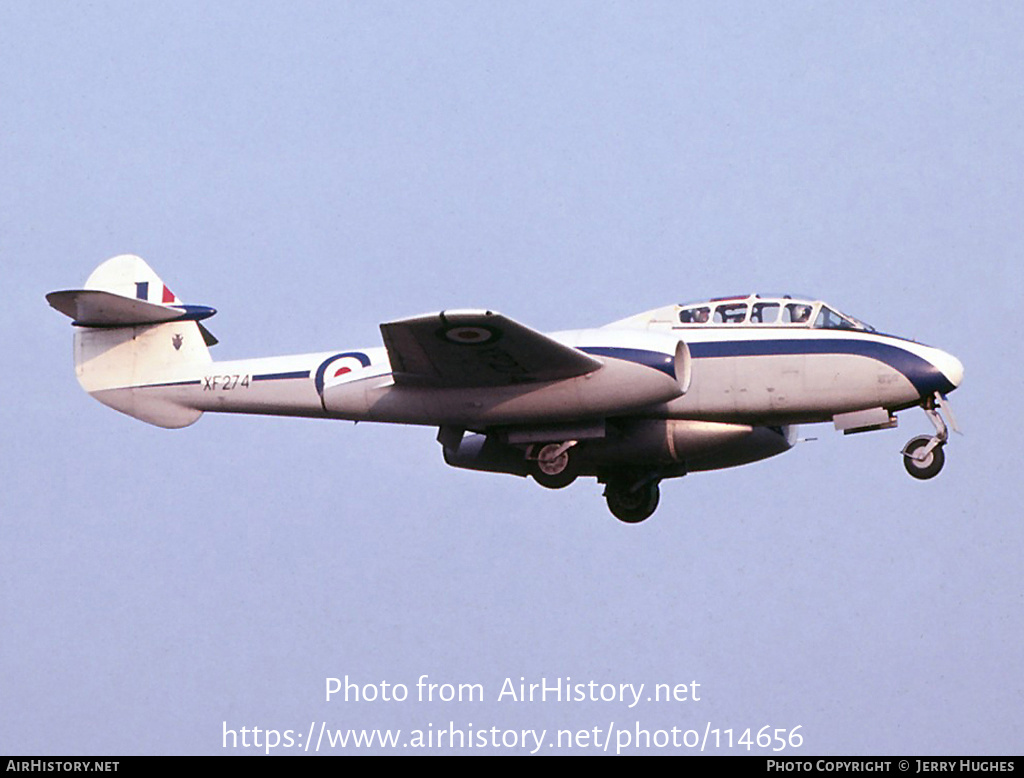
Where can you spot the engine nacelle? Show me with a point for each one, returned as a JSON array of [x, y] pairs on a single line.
[[628, 379]]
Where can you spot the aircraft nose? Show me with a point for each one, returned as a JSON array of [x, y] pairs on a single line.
[[950, 366]]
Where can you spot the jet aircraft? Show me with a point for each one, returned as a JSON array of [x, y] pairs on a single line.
[[674, 390]]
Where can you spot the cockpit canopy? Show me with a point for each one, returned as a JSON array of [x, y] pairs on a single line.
[[757, 311]]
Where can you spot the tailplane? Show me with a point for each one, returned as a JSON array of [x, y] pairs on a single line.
[[135, 341]]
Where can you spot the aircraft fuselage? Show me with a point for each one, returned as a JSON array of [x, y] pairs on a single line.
[[677, 389]]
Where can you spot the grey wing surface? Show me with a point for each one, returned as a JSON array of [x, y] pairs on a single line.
[[477, 348]]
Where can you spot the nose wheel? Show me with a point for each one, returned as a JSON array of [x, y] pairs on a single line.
[[923, 456], [922, 459]]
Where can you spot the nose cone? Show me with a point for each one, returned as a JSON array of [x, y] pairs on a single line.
[[951, 367]]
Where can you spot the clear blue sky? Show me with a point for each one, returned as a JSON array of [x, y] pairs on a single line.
[[314, 169]]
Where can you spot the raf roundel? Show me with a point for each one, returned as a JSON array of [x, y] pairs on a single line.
[[339, 368], [470, 336]]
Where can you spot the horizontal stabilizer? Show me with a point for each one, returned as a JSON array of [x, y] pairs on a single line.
[[93, 308]]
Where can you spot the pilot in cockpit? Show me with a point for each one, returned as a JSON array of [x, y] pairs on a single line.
[[800, 313], [694, 315]]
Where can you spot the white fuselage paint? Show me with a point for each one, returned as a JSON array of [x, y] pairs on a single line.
[[793, 382], [744, 374]]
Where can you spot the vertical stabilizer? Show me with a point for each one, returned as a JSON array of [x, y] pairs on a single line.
[[126, 355], [129, 276]]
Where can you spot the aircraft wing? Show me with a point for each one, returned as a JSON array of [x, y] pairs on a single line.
[[477, 348]]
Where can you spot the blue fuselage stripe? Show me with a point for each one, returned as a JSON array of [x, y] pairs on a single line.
[[278, 376], [925, 377]]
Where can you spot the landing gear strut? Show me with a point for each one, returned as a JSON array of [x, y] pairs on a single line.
[[632, 500], [923, 456]]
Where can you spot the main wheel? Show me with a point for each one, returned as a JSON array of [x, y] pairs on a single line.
[[553, 472], [632, 507], [928, 467]]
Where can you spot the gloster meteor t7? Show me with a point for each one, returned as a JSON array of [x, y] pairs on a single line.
[[657, 395]]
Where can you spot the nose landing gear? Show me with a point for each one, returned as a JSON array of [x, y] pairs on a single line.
[[923, 456]]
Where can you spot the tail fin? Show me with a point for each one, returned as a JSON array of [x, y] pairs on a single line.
[[135, 341]]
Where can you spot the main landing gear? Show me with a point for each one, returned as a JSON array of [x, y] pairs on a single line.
[[923, 456], [553, 468], [632, 499], [632, 495]]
